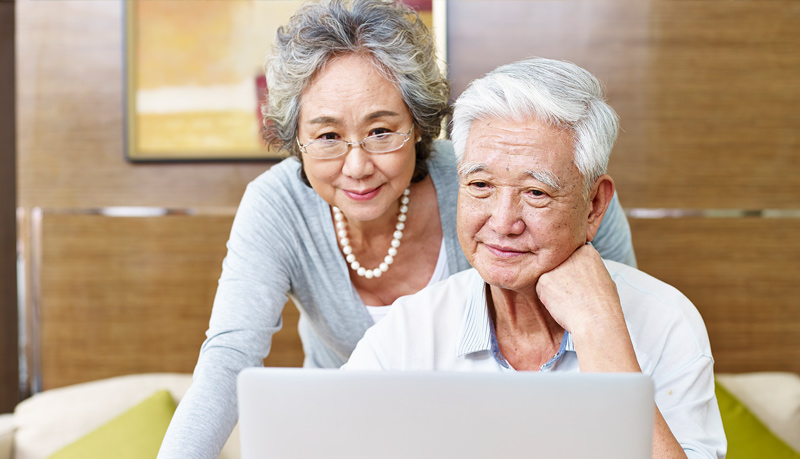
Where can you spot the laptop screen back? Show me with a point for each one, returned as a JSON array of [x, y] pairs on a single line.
[[303, 413]]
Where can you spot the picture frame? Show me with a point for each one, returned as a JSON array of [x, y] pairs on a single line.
[[194, 79]]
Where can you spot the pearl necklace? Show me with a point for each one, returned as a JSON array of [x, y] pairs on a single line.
[[389, 259]]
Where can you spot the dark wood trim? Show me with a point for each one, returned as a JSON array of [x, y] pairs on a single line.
[[9, 355]]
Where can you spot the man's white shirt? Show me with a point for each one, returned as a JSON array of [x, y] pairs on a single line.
[[447, 327]]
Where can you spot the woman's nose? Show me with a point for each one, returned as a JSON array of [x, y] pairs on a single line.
[[357, 162]]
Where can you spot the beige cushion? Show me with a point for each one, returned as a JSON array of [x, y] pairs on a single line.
[[774, 397], [232, 449], [6, 435]]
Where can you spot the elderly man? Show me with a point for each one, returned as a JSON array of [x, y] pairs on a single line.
[[533, 140]]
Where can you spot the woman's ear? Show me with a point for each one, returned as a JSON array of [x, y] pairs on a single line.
[[599, 199]]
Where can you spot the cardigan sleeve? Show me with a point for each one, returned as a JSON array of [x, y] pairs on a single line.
[[613, 238]]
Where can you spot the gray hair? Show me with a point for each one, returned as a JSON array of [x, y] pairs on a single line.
[[390, 33], [558, 93]]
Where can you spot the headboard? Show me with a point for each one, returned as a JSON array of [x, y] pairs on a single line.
[[114, 295]]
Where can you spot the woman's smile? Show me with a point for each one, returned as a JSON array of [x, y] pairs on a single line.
[[363, 195]]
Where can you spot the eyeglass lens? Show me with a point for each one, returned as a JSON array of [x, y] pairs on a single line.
[[381, 143]]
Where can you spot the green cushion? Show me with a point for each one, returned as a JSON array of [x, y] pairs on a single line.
[[135, 434], [748, 438]]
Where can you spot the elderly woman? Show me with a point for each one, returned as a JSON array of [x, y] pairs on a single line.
[[364, 212]]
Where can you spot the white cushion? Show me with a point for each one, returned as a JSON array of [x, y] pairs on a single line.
[[774, 397]]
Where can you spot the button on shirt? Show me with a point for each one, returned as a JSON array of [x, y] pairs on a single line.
[[447, 326]]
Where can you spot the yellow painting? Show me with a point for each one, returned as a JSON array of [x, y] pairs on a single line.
[[195, 79]]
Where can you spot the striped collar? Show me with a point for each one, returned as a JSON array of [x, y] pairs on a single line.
[[477, 330]]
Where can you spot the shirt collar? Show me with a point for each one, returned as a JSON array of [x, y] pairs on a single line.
[[476, 328], [476, 332]]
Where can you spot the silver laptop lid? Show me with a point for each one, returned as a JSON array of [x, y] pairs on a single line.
[[303, 414]]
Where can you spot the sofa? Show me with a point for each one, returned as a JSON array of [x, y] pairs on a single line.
[[52, 421], [74, 421]]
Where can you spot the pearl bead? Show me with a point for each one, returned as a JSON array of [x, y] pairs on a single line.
[[341, 228]]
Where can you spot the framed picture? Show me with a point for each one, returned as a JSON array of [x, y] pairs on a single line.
[[194, 78]]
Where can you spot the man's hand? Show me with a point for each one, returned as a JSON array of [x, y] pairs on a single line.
[[582, 298], [579, 293]]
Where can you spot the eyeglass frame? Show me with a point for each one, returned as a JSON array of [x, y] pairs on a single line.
[[360, 143]]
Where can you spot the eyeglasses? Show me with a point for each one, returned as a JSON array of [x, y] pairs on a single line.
[[386, 142]]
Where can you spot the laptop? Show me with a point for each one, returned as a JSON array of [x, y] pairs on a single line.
[[303, 413]]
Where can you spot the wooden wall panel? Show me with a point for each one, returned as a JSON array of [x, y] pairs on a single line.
[[123, 295], [287, 349], [742, 274], [707, 91]]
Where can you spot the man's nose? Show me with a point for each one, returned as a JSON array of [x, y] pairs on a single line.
[[357, 162], [506, 215]]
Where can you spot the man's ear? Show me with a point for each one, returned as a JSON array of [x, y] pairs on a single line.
[[599, 198]]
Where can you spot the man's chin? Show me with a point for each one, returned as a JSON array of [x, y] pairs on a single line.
[[508, 279]]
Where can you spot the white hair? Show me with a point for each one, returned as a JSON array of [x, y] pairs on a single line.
[[558, 93]]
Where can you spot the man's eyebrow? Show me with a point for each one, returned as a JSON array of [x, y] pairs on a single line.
[[467, 168], [548, 178], [544, 176]]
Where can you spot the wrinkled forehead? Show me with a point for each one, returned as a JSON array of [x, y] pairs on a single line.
[[524, 139], [527, 148]]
